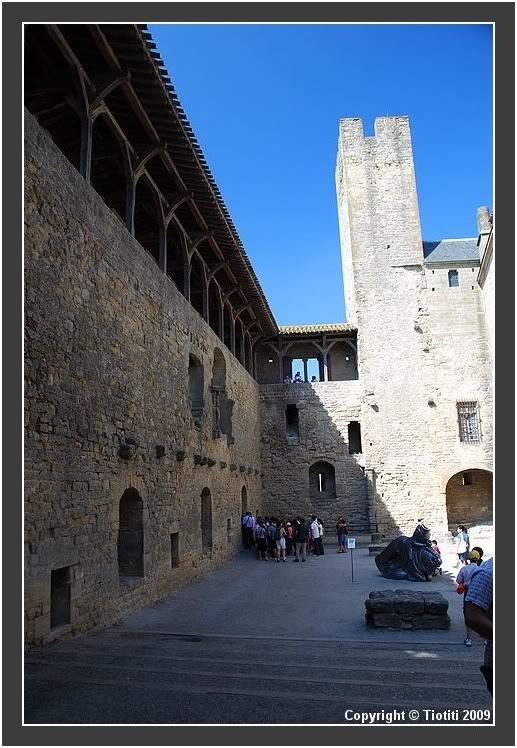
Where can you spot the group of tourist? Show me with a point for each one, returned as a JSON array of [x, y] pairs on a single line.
[[297, 379], [277, 539]]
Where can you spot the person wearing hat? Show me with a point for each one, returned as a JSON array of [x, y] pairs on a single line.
[[463, 581]]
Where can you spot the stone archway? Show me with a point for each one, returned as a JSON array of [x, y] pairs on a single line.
[[130, 543], [322, 491], [206, 521], [468, 496]]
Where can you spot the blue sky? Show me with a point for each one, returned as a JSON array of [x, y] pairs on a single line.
[[265, 102]]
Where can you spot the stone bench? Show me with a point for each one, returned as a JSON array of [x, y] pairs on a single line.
[[407, 609]]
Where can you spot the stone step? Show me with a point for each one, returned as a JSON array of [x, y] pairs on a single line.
[[142, 676], [93, 703], [249, 648], [362, 686], [213, 660]]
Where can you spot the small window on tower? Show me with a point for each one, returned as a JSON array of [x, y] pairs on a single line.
[[454, 279], [354, 438], [291, 422], [467, 479]]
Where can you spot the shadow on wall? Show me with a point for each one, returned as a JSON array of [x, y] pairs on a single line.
[[312, 459]]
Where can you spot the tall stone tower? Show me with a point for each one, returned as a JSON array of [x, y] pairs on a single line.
[[385, 286]]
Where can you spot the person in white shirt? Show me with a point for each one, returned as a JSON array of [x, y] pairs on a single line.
[[315, 535], [320, 527], [249, 524]]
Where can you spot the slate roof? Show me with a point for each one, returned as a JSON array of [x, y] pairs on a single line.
[[451, 251], [311, 329]]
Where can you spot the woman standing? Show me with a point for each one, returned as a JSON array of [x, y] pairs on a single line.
[[280, 541], [342, 534]]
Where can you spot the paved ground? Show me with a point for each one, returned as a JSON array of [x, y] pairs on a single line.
[[259, 642]]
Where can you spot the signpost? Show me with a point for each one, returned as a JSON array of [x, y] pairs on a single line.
[[350, 543]]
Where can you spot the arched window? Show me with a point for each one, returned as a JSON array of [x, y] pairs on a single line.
[[131, 535], [206, 521], [322, 481], [196, 388], [218, 386]]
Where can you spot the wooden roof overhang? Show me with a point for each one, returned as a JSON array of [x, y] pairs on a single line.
[[118, 72]]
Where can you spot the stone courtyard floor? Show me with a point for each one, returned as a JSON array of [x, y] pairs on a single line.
[[260, 642]]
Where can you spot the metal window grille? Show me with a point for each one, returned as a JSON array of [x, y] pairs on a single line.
[[468, 421]]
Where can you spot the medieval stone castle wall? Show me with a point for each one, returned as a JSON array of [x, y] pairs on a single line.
[[130, 393], [108, 340]]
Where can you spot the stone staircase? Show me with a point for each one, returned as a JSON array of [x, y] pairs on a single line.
[[145, 677]]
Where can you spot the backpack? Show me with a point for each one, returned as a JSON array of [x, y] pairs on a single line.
[[271, 532]]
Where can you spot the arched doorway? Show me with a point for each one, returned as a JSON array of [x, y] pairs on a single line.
[[469, 498], [130, 542], [322, 491], [206, 521]]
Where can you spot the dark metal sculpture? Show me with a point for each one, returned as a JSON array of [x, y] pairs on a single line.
[[411, 559]]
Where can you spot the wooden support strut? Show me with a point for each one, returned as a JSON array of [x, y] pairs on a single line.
[[134, 167]]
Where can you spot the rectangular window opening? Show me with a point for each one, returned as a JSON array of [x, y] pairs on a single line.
[[60, 595], [454, 279], [175, 550], [354, 438], [321, 482], [468, 422], [292, 426], [467, 479]]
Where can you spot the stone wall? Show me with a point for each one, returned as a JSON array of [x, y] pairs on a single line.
[[108, 338], [324, 411], [460, 346], [418, 353]]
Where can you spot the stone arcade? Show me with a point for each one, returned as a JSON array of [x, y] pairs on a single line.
[[156, 410]]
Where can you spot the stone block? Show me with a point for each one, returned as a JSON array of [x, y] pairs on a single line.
[[408, 609]]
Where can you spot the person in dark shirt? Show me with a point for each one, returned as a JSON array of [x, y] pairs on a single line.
[[301, 539]]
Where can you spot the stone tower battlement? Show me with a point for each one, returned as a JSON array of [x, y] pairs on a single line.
[[377, 201]]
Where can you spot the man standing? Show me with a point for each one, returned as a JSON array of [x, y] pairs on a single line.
[[301, 539], [316, 536], [478, 614], [250, 523]]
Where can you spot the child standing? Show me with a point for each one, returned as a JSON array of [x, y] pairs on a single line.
[[463, 581]]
